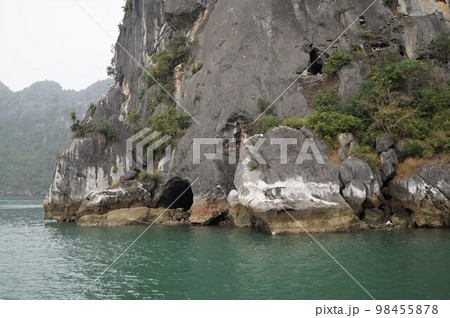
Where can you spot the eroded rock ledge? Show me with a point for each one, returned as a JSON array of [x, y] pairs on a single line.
[[282, 196]]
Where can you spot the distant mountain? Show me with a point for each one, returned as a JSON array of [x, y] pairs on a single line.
[[34, 128]]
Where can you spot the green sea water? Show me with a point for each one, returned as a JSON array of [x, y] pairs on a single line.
[[42, 260]]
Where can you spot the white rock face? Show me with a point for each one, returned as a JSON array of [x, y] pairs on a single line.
[[418, 8], [290, 194], [355, 169], [76, 175], [355, 193], [423, 196], [310, 186], [417, 191], [233, 198]]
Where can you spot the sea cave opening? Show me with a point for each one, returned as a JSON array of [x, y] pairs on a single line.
[[177, 194], [316, 66]]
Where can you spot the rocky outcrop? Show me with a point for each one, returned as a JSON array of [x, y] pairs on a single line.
[[424, 197], [347, 143], [135, 216], [375, 218], [355, 193], [360, 185], [239, 46], [389, 163], [384, 142], [354, 169], [127, 194], [419, 8], [206, 215], [281, 190]]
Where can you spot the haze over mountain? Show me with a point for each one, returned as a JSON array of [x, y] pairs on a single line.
[[34, 128]]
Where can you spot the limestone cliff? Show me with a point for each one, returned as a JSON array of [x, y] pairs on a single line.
[[248, 49]]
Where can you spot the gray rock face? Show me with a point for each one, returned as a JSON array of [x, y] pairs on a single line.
[[438, 177], [129, 175], [247, 52], [346, 143], [389, 162], [384, 142], [355, 169], [427, 204], [129, 194], [355, 194], [134, 216], [420, 8]]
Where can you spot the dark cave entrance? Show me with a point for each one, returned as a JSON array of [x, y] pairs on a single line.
[[316, 66], [177, 188]]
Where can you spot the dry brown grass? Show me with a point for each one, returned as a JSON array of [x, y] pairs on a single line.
[[334, 157], [411, 166], [115, 186]]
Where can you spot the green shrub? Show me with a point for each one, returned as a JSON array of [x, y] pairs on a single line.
[[409, 75], [327, 100], [179, 46], [411, 149], [106, 128], [111, 69], [73, 115], [141, 94], [399, 122], [405, 98], [266, 123], [197, 67], [358, 52], [147, 177], [365, 154], [263, 105], [384, 102], [366, 34], [76, 126], [162, 72], [330, 124], [440, 121], [438, 142], [432, 99], [178, 50], [294, 122], [128, 6], [134, 121], [92, 108], [115, 169], [440, 48], [335, 62], [170, 123], [253, 165], [197, 98]]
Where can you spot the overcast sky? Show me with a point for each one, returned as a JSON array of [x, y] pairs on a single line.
[[56, 40]]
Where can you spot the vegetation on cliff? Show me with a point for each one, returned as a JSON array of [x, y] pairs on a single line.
[[408, 99]]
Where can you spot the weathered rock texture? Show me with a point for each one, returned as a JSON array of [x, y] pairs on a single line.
[[135, 216], [247, 51], [281, 191], [425, 196]]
